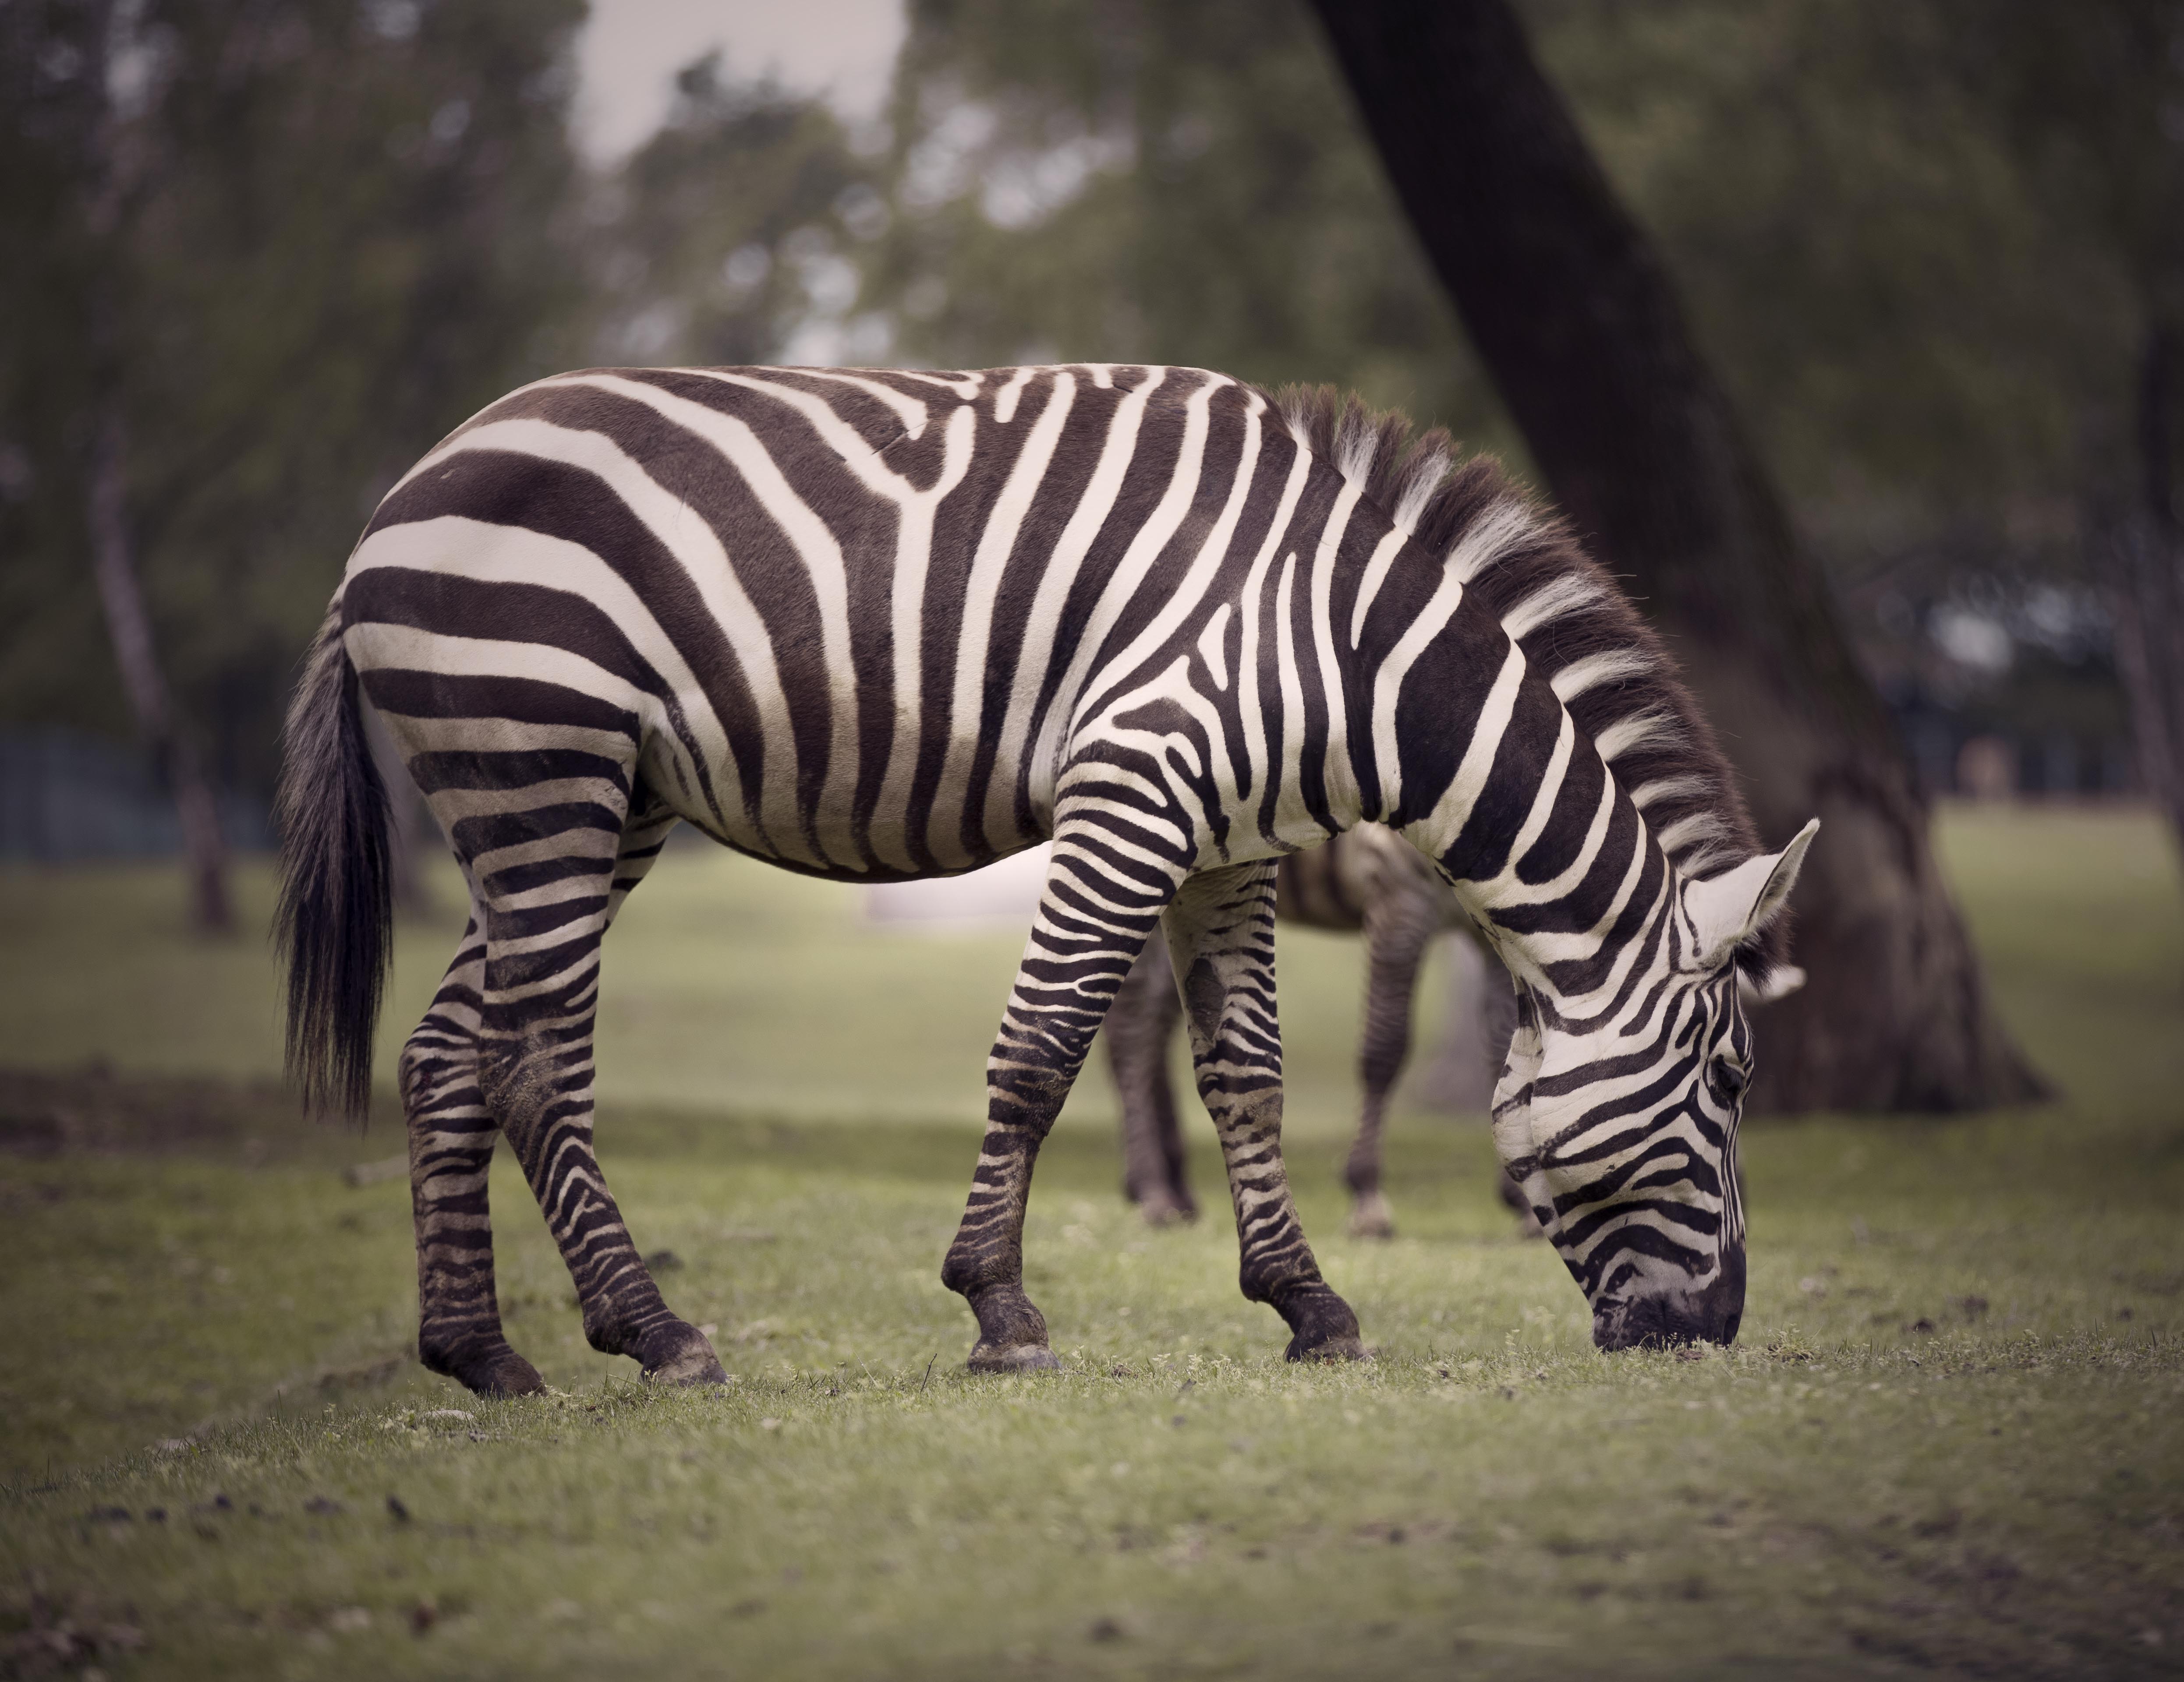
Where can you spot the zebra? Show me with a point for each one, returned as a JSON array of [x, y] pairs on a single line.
[[1368, 881], [873, 625]]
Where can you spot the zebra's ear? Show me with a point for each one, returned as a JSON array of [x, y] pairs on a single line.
[[1730, 908]]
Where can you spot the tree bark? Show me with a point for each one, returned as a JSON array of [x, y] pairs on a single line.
[[145, 684], [2146, 582], [1574, 314]]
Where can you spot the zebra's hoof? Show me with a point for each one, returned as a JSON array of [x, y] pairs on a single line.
[[494, 1371], [1323, 1326], [511, 1375], [1016, 1357], [1371, 1216], [1350, 1348], [683, 1356]]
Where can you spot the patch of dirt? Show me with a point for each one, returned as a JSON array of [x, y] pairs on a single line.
[[45, 1113]]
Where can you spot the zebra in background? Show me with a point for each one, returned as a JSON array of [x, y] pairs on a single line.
[[1368, 881], [876, 625]]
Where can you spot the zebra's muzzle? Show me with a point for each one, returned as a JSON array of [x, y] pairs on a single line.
[[1709, 1314]]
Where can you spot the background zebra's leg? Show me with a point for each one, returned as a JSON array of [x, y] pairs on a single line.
[[1400, 921], [451, 1137], [545, 917], [1102, 900], [1140, 1025], [1221, 936], [1497, 1022]]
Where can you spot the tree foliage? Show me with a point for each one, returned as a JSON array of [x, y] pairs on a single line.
[[725, 235], [1100, 180], [293, 240]]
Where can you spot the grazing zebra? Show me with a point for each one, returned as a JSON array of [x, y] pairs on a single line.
[[876, 625], [1368, 881]]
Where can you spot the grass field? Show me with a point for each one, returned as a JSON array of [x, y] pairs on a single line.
[[1951, 1439]]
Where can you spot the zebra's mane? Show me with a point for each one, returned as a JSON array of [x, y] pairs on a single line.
[[1575, 624]]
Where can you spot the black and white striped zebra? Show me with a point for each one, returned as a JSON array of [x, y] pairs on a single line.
[[886, 625]]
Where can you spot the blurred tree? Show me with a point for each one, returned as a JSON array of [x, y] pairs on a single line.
[[2091, 99], [1570, 306], [1102, 180], [278, 247], [725, 235], [1861, 256]]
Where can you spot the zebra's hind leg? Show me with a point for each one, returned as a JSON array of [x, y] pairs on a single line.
[[1401, 922], [1102, 900], [451, 1137], [550, 886], [1140, 1026], [1221, 936]]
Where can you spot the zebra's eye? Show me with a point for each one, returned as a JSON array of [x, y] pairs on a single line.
[[1727, 1079]]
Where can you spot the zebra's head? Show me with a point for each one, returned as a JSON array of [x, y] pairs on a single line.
[[1622, 1127]]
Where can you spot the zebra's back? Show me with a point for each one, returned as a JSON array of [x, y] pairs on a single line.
[[845, 616]]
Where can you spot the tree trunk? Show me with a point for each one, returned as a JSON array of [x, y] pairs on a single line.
[[1573, 313], [2146, 582], [130, 628]]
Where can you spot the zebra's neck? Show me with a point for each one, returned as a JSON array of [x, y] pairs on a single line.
[[1468, 749]]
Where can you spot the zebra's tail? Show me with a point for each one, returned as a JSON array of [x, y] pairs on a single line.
[[336, 923]]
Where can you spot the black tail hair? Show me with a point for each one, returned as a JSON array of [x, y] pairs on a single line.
[[336, 924]]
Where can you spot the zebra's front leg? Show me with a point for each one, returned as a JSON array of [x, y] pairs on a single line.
[[451, 1138], [1094, 915], [1221, 936], [1400, 923]]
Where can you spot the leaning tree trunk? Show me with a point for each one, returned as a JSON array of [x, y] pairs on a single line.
[[144, 683], [2146, 582], [1573, 314]]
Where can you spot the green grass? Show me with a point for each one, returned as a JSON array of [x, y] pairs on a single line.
[[1949, 1439]]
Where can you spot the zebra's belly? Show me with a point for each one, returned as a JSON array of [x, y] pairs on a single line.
[[828, 828]]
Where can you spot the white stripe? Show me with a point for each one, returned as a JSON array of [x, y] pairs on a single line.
[[1285, 669], [1488, 538], [1004, 400], [1213, 648], [1612, 666], [913, 558], [1251, 611], [1338, 776], [1551, 600], [1437, 833], [1376, 574], [1388, 684]]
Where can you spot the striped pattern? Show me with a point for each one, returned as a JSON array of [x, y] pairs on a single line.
[[1366, 881], [874, 625]]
